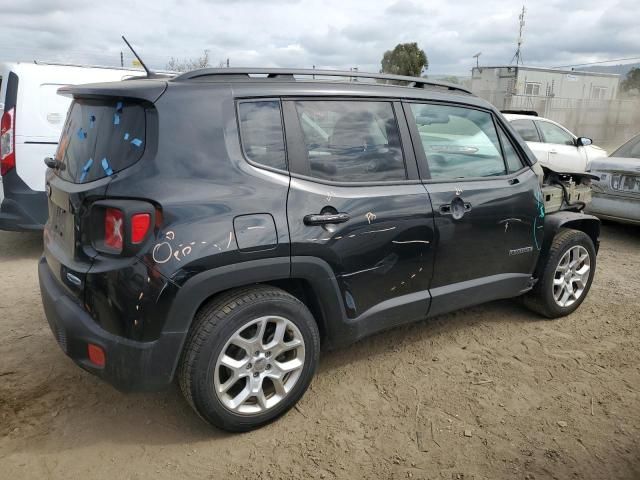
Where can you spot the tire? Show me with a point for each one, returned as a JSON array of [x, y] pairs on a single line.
[[542, 298], [223, 332]]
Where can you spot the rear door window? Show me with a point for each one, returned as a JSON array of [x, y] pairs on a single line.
[[100, 138], [526, 129], [351, 141], [261, 133]]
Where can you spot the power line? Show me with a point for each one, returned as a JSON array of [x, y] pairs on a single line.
[[597, 63]]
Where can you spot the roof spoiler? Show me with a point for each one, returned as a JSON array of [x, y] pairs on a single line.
[[144, 89]]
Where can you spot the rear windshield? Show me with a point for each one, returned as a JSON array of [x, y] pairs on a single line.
[[100, 138]]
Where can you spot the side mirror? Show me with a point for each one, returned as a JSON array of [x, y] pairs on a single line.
[[583, 141]]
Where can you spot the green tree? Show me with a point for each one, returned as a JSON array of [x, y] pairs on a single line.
[[451, 79], [632, 81], [405, 59]]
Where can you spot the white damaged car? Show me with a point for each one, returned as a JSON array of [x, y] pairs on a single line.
[[554, 146]]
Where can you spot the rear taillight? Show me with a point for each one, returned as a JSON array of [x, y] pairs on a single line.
[[140, 223], [7, 141], [113, 229], [120, 226]]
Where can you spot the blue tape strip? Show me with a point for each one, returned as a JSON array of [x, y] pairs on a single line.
[[137, 142], [116, 119], [82, 134], [106, 167], [119, 107], [126, 136], [92, 120], [85, 169]]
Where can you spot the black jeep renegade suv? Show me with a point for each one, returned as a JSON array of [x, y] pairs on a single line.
[[223, 225]]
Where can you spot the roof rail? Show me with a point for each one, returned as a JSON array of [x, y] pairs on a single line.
[[290, 74]]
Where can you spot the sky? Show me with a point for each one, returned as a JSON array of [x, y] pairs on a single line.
[[328, 34]]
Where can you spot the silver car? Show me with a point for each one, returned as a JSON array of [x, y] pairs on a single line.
[[616, 196]]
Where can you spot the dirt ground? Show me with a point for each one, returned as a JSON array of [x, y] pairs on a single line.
[[490, 392]]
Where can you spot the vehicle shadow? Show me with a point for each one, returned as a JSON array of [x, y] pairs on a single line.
[[621, 231], [20, 245], [84, 404], [87, 405], [453, 326]]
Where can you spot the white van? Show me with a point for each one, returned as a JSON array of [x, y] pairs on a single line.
[[32, 118]]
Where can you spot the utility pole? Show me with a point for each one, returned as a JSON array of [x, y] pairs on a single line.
[[477, 57], [227, 63], [121, 60], [518, 55]]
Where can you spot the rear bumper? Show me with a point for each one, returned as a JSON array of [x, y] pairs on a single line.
[[130, 365], [21, 208]]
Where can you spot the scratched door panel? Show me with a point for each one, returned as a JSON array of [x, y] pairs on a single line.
[[498, 234], [383, 251]]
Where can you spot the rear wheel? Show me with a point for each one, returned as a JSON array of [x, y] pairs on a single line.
[[565, 277], [249, 357]]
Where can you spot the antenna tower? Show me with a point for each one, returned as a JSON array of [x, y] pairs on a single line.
[[517, 57]]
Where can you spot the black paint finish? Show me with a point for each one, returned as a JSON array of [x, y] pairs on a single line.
[[395, 256]]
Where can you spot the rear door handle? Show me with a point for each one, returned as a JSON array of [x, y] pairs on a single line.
[[325, 219], [514, 181], [553, 151]]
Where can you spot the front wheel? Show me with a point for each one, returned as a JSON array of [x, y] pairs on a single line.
[[566, 276], [250, 356]]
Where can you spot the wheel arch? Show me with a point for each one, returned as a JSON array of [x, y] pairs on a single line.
[[553, 223], [309, 279]]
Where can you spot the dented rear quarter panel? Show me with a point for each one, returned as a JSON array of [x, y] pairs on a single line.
[[204, 184]]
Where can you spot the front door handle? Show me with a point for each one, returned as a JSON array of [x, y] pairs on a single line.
[[326, 219]]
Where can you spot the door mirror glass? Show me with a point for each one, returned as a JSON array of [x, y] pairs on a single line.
[[584, 141]]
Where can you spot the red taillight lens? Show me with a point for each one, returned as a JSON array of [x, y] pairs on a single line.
[[96, 355], [140, 223], [113, 228], [7, 141]]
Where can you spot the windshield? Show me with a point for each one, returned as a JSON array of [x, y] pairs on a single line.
[[100, 138], [631, 149]]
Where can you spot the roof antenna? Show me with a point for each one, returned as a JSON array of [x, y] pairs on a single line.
[[150, 74]]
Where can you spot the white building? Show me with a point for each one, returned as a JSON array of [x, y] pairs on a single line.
[[499, 84]]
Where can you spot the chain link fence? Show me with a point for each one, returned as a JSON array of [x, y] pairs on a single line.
[[608, 122]]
